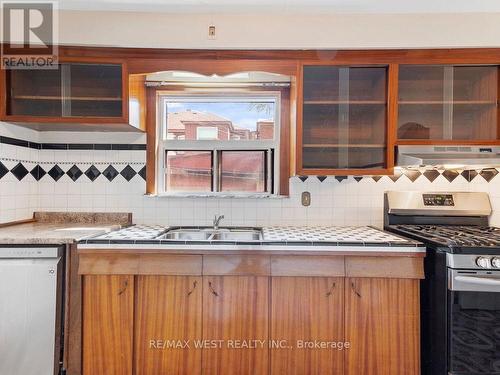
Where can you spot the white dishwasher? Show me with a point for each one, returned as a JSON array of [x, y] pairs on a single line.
[[30, 310]]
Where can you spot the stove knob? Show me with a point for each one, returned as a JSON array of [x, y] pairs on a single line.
[[483, 262], [495, 262]]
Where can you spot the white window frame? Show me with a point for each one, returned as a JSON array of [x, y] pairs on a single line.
[[271, 146]]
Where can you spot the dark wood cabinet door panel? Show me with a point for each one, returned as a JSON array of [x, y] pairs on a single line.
[[167, 325], [235, 313], [382, 325], [307, 309], [108, 319]]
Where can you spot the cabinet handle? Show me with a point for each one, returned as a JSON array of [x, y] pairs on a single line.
[[330, 292], [123, 288], [353, 287], [212, 289], [195, 283]]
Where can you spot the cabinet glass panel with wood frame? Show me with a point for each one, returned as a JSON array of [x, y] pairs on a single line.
[[72, 90], [444, 102], [344, 117], [219, 143]]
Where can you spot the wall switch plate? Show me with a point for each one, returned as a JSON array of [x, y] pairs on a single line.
[[211, 32], [306, 198]]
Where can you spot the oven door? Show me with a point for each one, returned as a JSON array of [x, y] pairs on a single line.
[[473, 322]]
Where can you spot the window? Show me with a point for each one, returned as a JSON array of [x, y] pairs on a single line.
[[219, 143]]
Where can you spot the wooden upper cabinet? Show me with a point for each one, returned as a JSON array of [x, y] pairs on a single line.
[[448, 104], [76, 92], [343, 120]]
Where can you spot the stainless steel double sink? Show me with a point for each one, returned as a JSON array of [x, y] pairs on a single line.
[[211, 234]]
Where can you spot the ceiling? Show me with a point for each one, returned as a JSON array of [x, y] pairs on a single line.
[[287, 6]]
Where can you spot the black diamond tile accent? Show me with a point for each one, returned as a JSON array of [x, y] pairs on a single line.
[[56, 172], [321, 178], [128, 173], [358, 178], [431, 174], [19, 171], [74, 173], [412, 174], [92, 173], [303, 178], [488, 174], [340, 178], [38, 172], [142, 173], [376, 178], [450, 174], [469, 175], [110, 173], [3, 170], [396, 176]]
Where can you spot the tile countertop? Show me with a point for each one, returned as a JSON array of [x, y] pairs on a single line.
[[60, 228], [275, 238]]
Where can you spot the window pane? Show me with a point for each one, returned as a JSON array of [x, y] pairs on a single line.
[[188, 171], [220, 119], [243, 171]]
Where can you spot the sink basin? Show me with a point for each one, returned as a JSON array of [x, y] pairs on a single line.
[[237, 235], [209, 234]]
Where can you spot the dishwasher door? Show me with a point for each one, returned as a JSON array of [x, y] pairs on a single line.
[[29, 326]]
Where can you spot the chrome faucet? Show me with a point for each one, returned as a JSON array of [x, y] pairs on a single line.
[[217, 219]]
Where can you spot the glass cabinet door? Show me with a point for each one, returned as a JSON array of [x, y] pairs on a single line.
[[34, 92], [344, 117], [72, 90], [92, 90], [448, 102]]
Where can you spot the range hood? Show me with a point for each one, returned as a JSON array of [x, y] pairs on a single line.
[[448, 156]]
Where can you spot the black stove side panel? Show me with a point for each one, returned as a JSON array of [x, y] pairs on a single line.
[[433, 308]]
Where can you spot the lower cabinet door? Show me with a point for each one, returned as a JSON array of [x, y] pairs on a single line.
[[307, 319], [168, 325], [108, 318], [382, 326], [236, 325]]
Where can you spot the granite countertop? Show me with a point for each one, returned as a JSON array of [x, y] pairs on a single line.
[[61, 228], [312, 238]]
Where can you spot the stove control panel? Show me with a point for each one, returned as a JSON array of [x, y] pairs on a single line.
[[438, 200], [485, 262]]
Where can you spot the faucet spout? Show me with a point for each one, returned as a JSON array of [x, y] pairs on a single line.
[[217, 220]]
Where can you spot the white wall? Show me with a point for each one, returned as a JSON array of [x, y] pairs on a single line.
[[280, 31]]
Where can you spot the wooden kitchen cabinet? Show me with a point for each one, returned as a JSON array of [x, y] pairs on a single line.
[[108, 321], [249, 311], [306, 309], [236, 311], [343, 122], [168, 314], [382, 325], [440, 104], [78, 92]]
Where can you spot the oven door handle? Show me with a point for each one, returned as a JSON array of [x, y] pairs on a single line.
[[475, 284]]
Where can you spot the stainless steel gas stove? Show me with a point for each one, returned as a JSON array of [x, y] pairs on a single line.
[[460, 296]]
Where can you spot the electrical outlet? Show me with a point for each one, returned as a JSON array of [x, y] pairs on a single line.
[[211, 32], [306, 198]]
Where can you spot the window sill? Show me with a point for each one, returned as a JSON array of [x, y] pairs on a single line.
[[218, 195]]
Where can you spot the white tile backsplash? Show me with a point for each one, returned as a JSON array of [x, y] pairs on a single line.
[[348, 202]]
